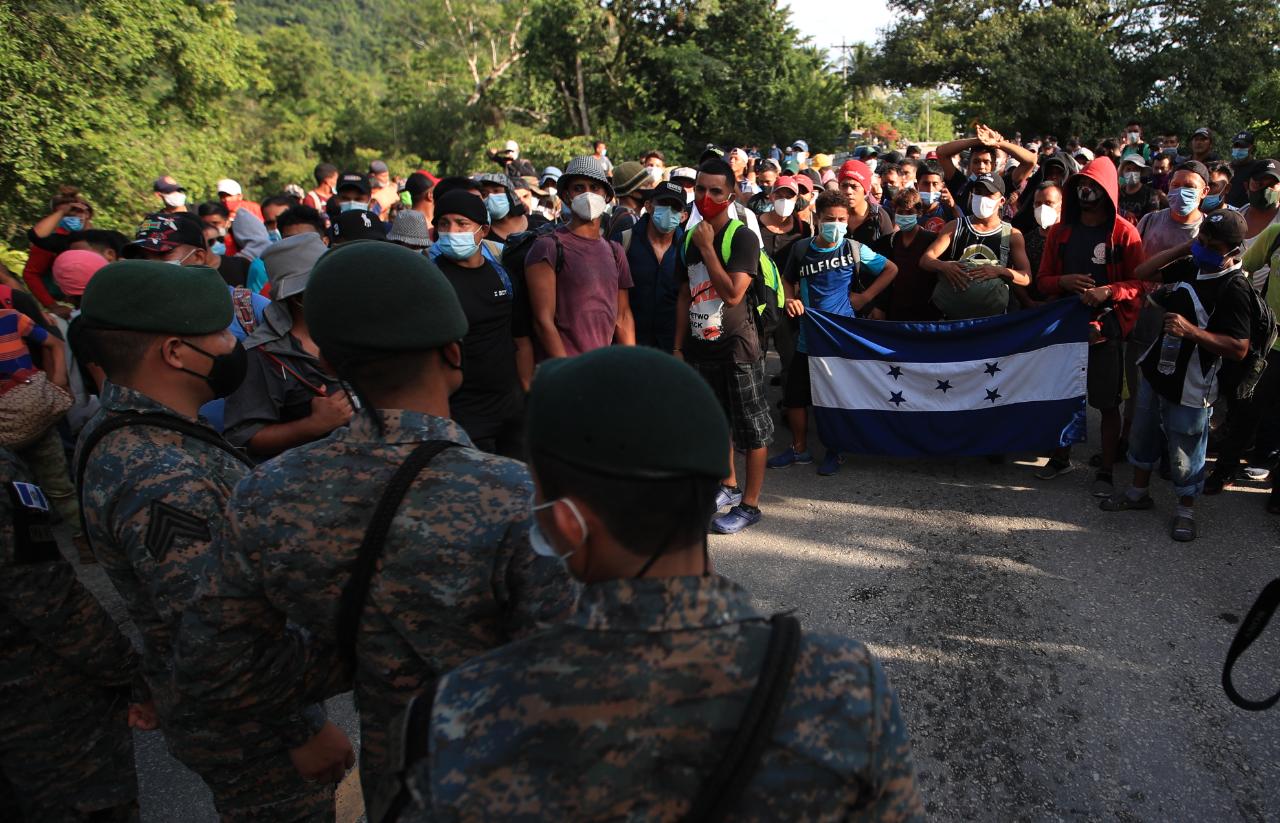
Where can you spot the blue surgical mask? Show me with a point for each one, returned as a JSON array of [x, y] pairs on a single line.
[[458, 245], [1206, 258], [906, 222], [274, 235], [353, 205], [1239, 154], [498, 205], [666, 218], [1184, 200], [832, 233], [929, 197], [219, 248], [972, 177], [1211, 202], [71, 223]]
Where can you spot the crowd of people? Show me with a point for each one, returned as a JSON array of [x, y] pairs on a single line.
[[379, 434]]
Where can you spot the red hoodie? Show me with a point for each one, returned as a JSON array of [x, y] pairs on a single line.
[[1124, 247]]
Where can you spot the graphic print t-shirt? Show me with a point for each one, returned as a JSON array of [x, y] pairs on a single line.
[[717, 331], [826, 277]]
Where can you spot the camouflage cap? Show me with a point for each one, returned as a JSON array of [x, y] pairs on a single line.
[[368, 296], [628, 411], [148, 295]]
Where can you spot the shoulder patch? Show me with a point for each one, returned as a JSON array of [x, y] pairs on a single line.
[[32, 536], [168, 524]]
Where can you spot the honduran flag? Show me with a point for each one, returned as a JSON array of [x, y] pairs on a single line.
[[1011, 383]]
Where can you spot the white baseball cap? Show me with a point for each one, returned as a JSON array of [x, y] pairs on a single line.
[[683, 173], [228, 186], [512, 146]]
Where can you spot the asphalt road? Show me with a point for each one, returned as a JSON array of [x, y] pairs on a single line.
[[1055, 662]]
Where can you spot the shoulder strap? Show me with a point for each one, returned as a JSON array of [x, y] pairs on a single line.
[[1006, 231], [355, 593], [626, 240], [1250, 629], [492, 252], [722, 790], [726, 244], [155, 420], [555, 237], [285, 367]]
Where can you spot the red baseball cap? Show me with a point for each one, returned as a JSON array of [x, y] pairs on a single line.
[[856, 170], [786, 181], [803, 183]]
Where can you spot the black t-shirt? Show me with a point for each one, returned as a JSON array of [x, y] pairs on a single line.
[[490, 392], [1226, 301], [1142, 202], [719, 332], [234, 270], [876, 230], [1085, 252], [776, 244]]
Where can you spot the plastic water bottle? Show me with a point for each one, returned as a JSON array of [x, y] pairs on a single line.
[[1169, 349]]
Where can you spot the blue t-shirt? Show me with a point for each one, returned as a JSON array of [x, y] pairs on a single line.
[[827, 276]]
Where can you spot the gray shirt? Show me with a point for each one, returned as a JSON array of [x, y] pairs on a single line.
[[1160, 231]]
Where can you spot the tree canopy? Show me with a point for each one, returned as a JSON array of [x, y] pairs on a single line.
[[109, 94]]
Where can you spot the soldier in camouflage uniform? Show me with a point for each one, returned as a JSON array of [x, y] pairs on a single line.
[[624, 711], [153, 495], [66, 676], [456, 576]]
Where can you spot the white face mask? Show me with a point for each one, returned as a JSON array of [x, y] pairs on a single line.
[[1046, 216], [588, 206], [551, 191], [784, 206], [982, 207], [174, 199], [654, 172]]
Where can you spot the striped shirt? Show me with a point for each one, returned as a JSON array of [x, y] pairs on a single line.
[[15, 329]]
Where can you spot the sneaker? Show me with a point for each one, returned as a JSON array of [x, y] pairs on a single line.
[[1184, 529], [830, 464], [727, 497], [1103, 486], [1257, 472], [1121, 502], [1056, 467], [789, 457], [738, 518]]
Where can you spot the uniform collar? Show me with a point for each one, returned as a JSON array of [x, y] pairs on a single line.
[[663, 604], [403, 426], [122, 398]]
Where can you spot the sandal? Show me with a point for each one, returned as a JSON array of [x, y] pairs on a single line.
[[1184, 529]]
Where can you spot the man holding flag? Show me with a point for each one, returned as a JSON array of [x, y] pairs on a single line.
[[837, 275]]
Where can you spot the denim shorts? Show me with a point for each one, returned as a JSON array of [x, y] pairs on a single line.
[[1186, 429]]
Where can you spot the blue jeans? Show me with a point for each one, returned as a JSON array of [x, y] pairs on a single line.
[[1185, 428]]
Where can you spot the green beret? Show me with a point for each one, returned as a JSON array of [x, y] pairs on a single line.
[[628, 411], [367, 296], [147, 295]]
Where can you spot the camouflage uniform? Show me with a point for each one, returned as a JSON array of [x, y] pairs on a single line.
[[66, 673], [153, 499], [457, 576], [621, 713]]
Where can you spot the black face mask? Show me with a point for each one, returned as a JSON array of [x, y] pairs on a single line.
[[228, 369]]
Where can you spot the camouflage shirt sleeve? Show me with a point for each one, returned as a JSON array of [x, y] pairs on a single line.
[[896, 796], [40, 591], [534, 590], [238, 657]]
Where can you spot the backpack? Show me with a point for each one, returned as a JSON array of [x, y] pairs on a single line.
[[983, 298], [516, 249], [1242, 376], [765, 292]]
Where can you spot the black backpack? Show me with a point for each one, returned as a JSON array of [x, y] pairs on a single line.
[[1242, 377], [516, 249]]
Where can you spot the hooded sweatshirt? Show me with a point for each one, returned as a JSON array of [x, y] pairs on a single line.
[[250, 235], [1123, 251]]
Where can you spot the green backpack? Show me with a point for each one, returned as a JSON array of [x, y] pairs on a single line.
[[765, 292]]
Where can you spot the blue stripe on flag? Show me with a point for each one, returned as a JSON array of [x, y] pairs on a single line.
[[1062, 321], [971, 432]]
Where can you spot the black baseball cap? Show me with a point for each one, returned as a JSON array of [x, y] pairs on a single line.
[[356, 225], [1196, 167], [418, 184], [1203, 131], [1244, 138], [992, 183], [1265, 168], [1224, 226], [166, 186], [667, 192], [163, 232], [353, 180]]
